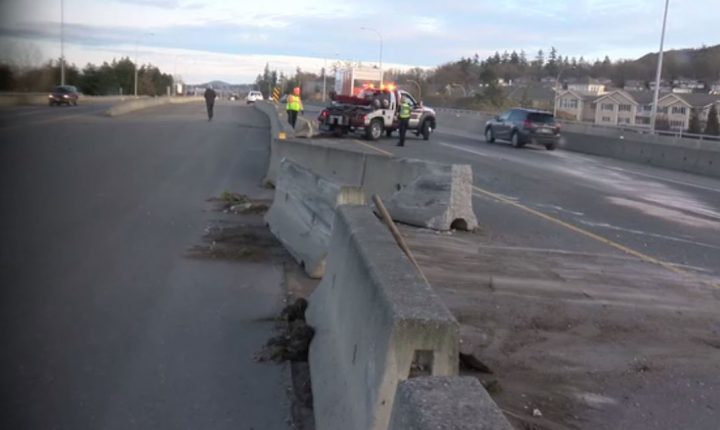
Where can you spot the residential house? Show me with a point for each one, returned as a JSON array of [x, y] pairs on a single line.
[[635, 85], [615, 108], [687, 86], [674, 109], [665, 86], [715, 88], [634, 108], [575, 106], [587, 86], [701, 104]]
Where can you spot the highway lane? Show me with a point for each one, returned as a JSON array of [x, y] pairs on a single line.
[[17, 117], [107, 321], [669, 216]]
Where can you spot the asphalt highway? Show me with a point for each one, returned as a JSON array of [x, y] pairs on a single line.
[[668, 218], [107, 321]]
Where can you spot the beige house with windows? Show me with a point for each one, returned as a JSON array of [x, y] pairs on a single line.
[[634, 108], [615, 108], [575, 106]]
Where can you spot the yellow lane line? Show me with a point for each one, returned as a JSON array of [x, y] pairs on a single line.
[[591, 235], [381, 151]]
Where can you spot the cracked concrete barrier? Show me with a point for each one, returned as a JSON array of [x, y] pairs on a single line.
[[439, 198], [376, 322], [458, 403], [302, 214]]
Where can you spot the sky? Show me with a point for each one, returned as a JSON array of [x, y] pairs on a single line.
[[232, 40]]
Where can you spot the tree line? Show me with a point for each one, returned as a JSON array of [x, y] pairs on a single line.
[[114, 78]]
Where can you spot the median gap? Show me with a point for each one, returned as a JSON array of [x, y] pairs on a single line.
[[459, 224], [422, 364]]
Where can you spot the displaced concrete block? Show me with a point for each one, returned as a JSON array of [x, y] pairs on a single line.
[[445, 403], [305, 127], [302, 214], [375, 322], [439, 199]]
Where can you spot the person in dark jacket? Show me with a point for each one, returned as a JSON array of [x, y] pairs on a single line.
[[210, 101]]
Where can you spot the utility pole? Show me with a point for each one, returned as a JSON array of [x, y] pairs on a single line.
[[658, 74], [62, 42], [136, 60]]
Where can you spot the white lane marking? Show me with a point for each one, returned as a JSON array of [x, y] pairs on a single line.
[[560, 209], [660, 178], [647, 233], [462, 148], [667, 213]]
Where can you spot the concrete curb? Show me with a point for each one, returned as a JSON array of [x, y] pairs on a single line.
[[145, 103], [431, 403], [303, 212], [375, 319]]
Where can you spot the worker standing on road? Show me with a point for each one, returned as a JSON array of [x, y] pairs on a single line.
[[294, 105], [210, 101], [404, 117]]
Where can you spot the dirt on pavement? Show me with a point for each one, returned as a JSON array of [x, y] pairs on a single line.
[[580, 341]]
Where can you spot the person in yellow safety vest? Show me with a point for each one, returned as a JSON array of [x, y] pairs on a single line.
[[404, 117], [294, 105]]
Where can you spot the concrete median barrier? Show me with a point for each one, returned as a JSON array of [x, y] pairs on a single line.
[[440, 199], [686, 155], [405, 181], [134, 105], [375, 322], [431, 403], [40, 99], [303, 212]]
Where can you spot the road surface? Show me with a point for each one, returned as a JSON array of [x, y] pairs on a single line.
[[108, 320], [591, 290], [669, 217]]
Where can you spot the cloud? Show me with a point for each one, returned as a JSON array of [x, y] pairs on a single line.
[[419, 32], [165, 4]]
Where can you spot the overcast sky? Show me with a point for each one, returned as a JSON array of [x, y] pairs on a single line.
[[232, 40]]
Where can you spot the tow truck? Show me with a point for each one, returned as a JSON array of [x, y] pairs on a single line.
[[373, 112]]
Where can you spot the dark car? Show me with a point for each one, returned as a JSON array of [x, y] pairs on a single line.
[[523, 126], [64, 94]]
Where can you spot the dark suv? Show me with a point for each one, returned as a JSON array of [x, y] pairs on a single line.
[[523, 126], [64, 94]]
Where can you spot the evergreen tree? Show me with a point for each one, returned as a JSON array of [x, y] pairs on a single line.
[[694, 126], [712, 128]]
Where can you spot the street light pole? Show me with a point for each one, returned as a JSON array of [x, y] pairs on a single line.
[[419, 88], [557, 91], [136, 60], [381, 50], [658, 74], [62, 42]]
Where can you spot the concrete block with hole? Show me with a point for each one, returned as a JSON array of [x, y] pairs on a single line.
[[457, 403], [439, 198], [303, 211], [376, 324]]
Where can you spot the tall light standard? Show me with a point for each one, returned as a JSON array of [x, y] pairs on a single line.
[[461, 87], [62, 42], [658, 74], [381, 49], [136, 59], [418, 86]]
